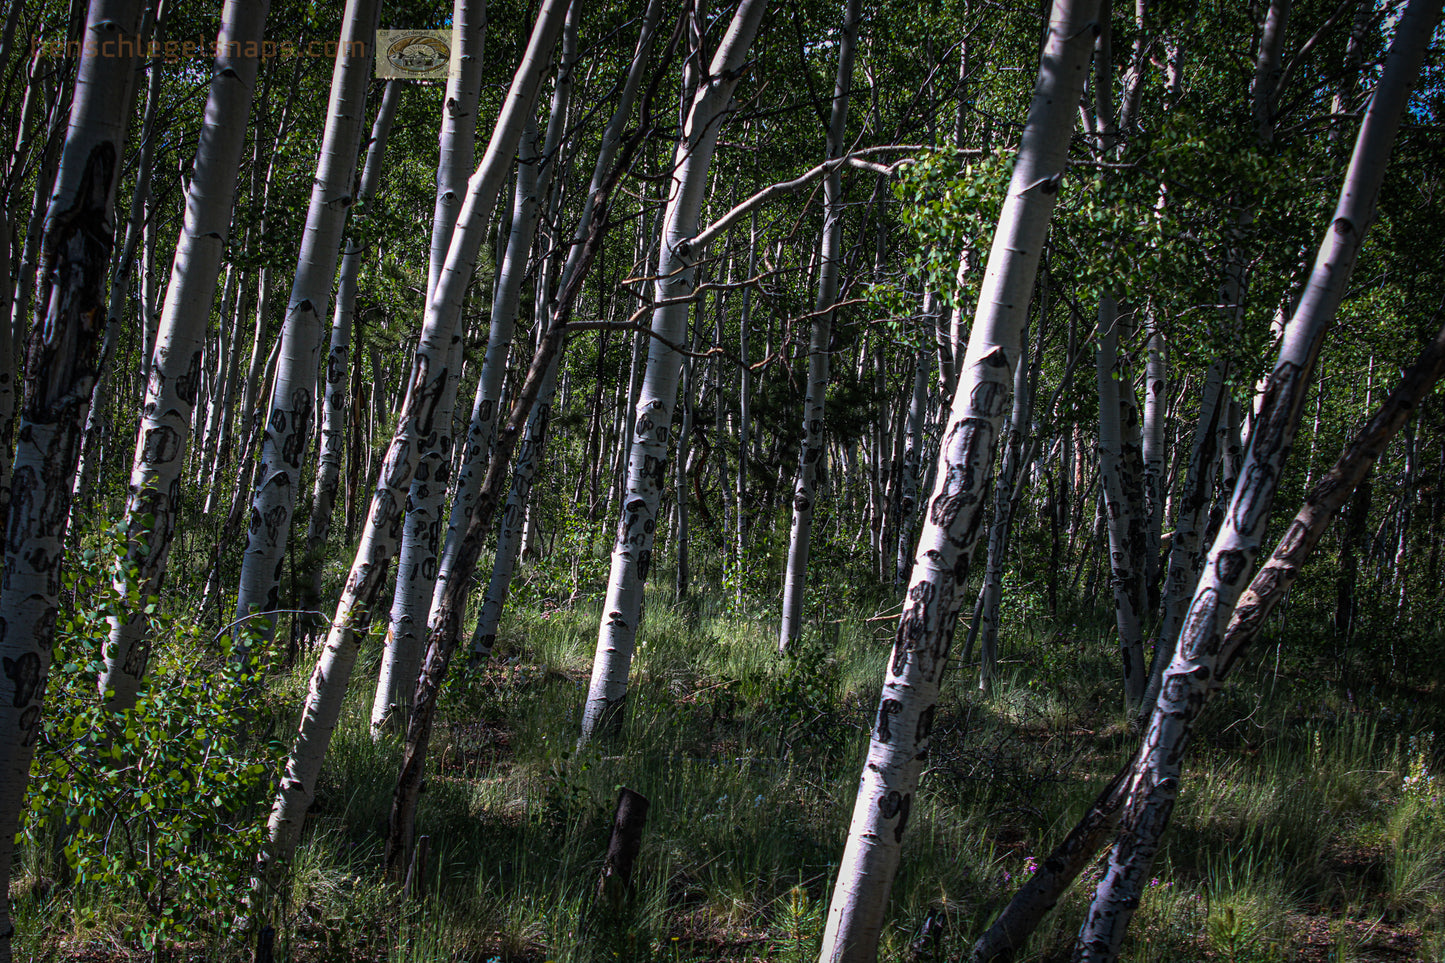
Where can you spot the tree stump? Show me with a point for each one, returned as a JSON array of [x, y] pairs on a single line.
[[615, 884]]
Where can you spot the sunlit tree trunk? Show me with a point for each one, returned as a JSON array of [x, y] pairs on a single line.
[[1199, 660], [652, 415], [293, 396], [164, 433], [901, 728], [327, 688], [61, 356], [336, 384]]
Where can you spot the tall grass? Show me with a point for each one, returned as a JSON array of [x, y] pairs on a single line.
[[1292, 811]]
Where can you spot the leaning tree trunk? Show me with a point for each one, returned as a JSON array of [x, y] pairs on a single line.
[[327, 688], [1155, 780], [795, 580], [60, 371], [293, 395], [900, 736], [417, 560], [161, 441], [481, 428], [652, 421], [529, 454], [338, 369]]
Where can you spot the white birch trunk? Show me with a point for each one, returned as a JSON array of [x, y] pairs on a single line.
[[795, 579], [488, 400], [456, 142], [164, 432], [327, 688], [900, 737], [1196, 669], [534, 440], [416, 568], [652, 421], [293, 396], [336, 383], [63, 347]]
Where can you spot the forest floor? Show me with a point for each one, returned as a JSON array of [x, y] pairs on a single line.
[[1311, 825]]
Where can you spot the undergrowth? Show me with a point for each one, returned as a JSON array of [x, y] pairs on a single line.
[[1310, 825]]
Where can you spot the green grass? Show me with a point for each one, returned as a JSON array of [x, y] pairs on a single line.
[[1292, 815]]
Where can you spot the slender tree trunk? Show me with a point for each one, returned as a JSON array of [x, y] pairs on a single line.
[[900, 737], [336, 385], [1121, 468], [745, 391], [986, 612], [652, 422], [481, 428], [429, 373], [293, 397], [60, 372], [795, 580], [913, 450], [1154, 783], [458, 130], [533, 443], [1156, 403], [161, 442]]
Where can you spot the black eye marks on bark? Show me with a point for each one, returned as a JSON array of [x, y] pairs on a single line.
[[896, 804], [24, 672], [972, 440]]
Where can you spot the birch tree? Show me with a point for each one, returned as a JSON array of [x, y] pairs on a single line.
[[164, 433], [529, 452], [293, 393], [335, 379], [1190, 679], [652, 416], [61, 368], [795, 580], [900, 735], [327, 688]]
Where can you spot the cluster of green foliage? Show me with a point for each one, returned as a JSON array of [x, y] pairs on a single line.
[[163, 801]]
